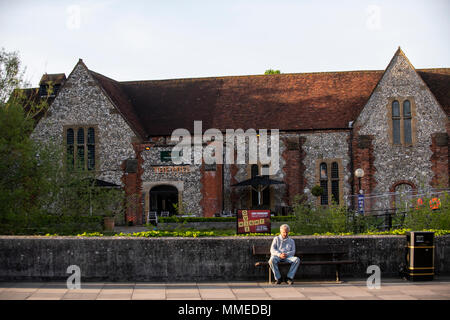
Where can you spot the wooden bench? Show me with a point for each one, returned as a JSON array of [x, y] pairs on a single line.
[[312, 255]]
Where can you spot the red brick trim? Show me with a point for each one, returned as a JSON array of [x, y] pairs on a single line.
[[440, 161], [133, 188], [392, 188]]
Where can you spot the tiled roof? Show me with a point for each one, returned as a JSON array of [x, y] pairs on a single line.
[[114, 90], [55, 78], [302, 101], [285, 102], [438, 80]]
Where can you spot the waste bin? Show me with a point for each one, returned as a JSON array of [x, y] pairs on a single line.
[[420, 256]]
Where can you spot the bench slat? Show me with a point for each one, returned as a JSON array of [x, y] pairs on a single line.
[[265, 263], [319, 250]]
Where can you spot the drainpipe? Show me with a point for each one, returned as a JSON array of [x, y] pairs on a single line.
[[350, 125], [223, 182]]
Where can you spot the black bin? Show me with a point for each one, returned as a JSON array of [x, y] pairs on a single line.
[[420, 256]]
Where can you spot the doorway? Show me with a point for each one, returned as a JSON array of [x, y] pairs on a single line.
[[162, 198]]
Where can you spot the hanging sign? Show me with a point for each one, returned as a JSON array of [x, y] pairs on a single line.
[[361, 203], [253, 221]]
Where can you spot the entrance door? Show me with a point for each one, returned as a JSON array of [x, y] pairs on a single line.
[[162, 198]]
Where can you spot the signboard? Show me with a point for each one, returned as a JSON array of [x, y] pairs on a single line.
[[253, 221], [361, 203], [171, 169]]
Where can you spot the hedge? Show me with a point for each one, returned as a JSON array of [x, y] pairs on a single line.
[[216, 219]]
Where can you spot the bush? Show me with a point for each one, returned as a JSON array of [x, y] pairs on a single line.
[[422, 217], [311, 220], [40, 224]]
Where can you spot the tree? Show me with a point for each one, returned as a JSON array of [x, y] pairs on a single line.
[[35, 186], [271, 71], [11, 76]]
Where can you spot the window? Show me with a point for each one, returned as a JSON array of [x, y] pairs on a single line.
[[396, 121], [324, 183], [328, 177], [80, 147], [265, 194], [335, 181], [166, 156], [407, 122], [402, 122]]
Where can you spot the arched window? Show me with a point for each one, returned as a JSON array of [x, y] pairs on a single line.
[[80, 147], [396, 122], [91, 149], [324, 183], [407, 134], [402, 196], [329, 178], [70, 148], [335, 181], [402, 117]]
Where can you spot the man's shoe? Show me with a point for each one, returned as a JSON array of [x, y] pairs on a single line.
[[278, 281], [290, 281]]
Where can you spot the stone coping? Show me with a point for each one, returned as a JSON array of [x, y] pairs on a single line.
[[200, 238]]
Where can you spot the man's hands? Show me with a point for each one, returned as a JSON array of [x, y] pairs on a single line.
[[283, 255]]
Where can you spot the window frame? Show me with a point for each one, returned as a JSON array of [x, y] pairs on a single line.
[[329, 162], [96, 143], [402, 118]]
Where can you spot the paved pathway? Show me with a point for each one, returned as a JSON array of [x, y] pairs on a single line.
[[391, 289]]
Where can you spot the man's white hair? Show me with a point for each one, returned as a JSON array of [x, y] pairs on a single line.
[[285, 226]]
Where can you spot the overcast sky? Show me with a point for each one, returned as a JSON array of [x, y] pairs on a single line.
[[143, 40]]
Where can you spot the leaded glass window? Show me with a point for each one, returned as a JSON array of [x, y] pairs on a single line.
[[407, 122], [324, 183], [80, 147], [335, 181], [396, 122]]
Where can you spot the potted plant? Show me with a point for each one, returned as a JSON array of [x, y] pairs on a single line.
[[317, 191], [108, 223], [110, 203]]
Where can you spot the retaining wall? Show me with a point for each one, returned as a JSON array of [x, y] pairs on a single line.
[[190, 259]]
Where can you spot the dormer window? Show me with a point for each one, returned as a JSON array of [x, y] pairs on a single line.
[[50, 84]]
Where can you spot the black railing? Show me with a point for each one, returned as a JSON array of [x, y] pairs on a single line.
[[380, 220]]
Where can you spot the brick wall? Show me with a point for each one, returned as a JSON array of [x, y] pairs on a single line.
[[294, 169], [440, 160], [211, 190]]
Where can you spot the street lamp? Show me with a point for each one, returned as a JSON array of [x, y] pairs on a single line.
[[359, 173]]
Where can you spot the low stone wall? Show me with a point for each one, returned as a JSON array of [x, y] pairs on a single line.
[[190, 259]]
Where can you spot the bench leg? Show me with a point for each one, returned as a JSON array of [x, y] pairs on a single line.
[[270, 275], [338, 267]]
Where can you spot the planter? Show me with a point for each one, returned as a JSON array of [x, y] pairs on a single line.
[[108, 223]]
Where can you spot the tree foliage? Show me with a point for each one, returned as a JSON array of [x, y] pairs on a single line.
[[271, 71], [35, 185], [11, 75]]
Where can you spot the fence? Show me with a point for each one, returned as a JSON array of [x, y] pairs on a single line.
[[388, 210]]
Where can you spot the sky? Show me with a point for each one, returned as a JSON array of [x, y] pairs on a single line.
[[150, 40]]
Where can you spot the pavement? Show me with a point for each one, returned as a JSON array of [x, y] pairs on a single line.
[[390, 289]]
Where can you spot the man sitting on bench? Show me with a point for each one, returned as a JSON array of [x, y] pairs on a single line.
[[283, 250]]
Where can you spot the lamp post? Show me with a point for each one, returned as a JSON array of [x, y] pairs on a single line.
[[359, 173]]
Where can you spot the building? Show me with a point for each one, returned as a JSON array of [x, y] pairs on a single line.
[[392, 123]]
